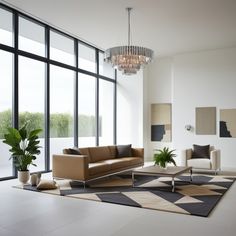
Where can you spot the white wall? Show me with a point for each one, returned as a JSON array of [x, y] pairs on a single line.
[[200, 80], [157, 89], [130, 109], [206, 78]]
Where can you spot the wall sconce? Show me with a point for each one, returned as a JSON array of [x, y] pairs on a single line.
[[188, 127]]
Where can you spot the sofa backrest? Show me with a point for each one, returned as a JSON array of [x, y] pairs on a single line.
[[100, 153], [85, 151]]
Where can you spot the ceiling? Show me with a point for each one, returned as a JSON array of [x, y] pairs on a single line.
[[168, 27]]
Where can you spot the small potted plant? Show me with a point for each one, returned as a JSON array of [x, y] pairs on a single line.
[[164, 156], [24, 148]]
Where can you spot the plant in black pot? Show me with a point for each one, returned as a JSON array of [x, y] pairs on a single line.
[[24, 145], [164, 156]]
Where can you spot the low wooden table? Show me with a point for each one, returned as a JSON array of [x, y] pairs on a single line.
[[171, 171]]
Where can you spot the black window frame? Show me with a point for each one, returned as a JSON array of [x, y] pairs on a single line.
[[46, 59]]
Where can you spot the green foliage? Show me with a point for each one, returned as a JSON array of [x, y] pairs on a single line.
[[5, 122], [24, 146], [61, 124], [36, 120], [164, 156], [87, 126]]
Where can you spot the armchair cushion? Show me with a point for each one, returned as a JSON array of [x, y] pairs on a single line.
[[201, 163], [201, 151]]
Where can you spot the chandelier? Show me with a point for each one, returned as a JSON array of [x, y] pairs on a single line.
[[128, 59]]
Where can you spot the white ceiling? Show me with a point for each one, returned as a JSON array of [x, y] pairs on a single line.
[[167, 26]]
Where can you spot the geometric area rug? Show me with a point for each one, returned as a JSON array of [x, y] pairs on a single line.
[[198, 197]]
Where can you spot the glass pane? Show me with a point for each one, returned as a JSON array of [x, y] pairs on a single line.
[[6, 27], [31, 37], [62, 48], [31, 101], [5, 110], [87, 118], [87, 58], [106, 112], [61, 108], [105, 68]]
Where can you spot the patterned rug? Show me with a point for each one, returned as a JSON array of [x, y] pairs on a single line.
[[198, 197]]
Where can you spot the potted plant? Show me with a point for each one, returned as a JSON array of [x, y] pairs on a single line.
[[24, 148], [164, 156]]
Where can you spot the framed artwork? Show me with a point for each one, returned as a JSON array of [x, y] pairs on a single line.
[[205, 120], [228, 123], [161, 122]]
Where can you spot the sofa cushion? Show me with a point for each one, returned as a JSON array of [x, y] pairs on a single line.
[[133, 160], [85, 151], [113, 151], [74, 151], [98, 167], [45, 184], [124, 151], [201, 163], [117, 163], [99, 153], [66, 151], [201, 151]]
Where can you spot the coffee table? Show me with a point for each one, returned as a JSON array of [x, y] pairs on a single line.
[[170, 171]]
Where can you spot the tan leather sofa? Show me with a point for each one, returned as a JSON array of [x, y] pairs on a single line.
[[94, 162]]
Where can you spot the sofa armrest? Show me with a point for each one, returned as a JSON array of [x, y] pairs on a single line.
[[215, 159], [186, 154], [137, 152], [70, 166]]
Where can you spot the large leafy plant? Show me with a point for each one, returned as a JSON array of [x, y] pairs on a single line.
[[24, 146], [164, 156]]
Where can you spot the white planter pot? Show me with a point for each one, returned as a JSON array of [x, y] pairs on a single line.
[[23, 176]]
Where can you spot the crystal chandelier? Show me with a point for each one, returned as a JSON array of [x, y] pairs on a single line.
[[128, 59]]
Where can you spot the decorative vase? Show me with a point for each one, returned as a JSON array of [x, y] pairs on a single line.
[[34, 179], [164, 167], [23, 176]]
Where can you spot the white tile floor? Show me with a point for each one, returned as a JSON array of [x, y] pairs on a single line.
[[24, 213]]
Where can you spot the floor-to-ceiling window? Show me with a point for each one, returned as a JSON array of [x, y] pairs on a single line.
[[87, 110], [6, 76], [31, 101], [6, 27], [55, 82], [61, 109], [6, 67], [107, 108]]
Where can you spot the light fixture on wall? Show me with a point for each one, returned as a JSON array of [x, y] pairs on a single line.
[[128, 59], [188, 127]]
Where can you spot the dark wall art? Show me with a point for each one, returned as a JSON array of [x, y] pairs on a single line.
[[228, 123], [161, 122]]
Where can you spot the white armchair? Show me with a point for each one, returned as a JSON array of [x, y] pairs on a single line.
[[212, 163]]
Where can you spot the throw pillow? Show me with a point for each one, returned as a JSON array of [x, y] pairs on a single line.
[[74, 151], [201, 151], [45, 184], [124, 150]]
